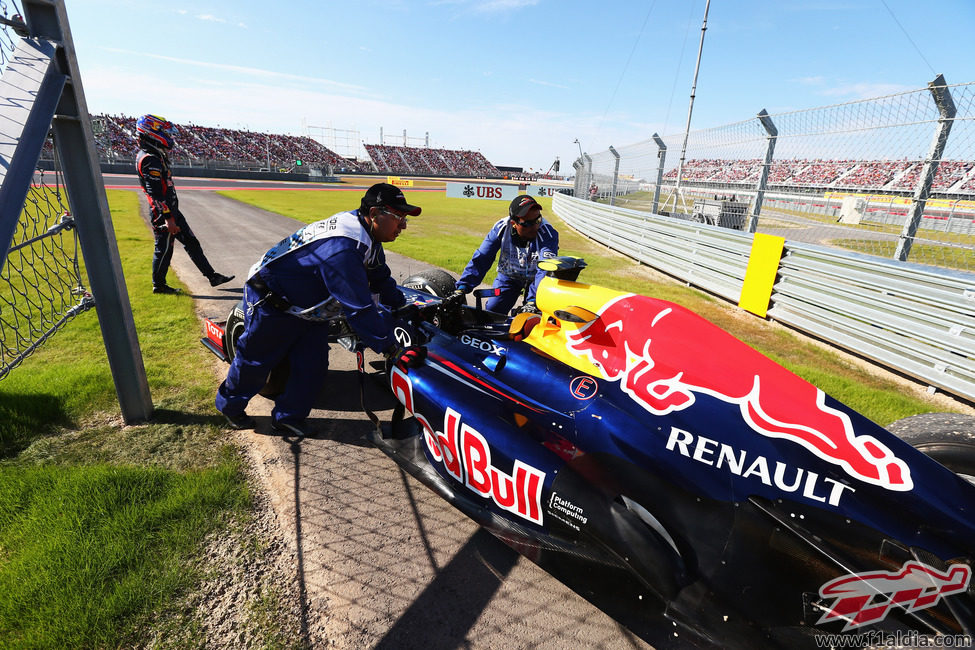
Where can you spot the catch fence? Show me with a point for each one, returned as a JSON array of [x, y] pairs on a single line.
[[48, 219], [892, 176]]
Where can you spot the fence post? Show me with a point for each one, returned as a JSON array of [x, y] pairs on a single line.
[[588, 167], [616, 174], [86, 195], [577, 165], [661, 156], [773, 133], [946, 108]]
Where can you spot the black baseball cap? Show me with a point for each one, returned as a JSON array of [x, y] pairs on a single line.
[[522, 205], [386, 195]]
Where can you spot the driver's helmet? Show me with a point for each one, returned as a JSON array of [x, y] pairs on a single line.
[[157, 130]]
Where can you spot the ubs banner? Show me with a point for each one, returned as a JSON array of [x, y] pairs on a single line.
[[497, 191], [546, 190]]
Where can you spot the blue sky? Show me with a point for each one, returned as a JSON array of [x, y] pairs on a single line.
[[518, 80]]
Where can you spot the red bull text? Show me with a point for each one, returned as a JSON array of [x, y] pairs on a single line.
[[466, 456]]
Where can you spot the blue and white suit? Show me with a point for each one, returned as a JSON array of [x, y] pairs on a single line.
[[322, 270], [517, 263]]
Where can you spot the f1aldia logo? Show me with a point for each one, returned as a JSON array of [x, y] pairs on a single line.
[[863, 598]]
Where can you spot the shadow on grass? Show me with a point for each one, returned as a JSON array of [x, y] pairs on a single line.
[[26, 417]]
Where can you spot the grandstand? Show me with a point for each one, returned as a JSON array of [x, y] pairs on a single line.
[[428, 161], [953, 176], [222, 148]]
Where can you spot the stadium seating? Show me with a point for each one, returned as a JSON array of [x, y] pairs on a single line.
[[953, 176], [223, 147], [198, 145], [241, 148]]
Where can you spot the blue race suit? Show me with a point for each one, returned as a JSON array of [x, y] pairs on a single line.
[[517, 264], [157, 182], [324, 269]]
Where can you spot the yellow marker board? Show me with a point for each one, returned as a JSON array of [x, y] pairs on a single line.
[[763, 264]]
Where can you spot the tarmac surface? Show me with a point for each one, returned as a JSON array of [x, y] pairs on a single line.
[[382, 561]]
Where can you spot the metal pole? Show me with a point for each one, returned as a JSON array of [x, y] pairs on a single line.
[[86, 195], [661, 156], [946, 107], [588, 163], [616, 174], [690, 107], [773, 133]]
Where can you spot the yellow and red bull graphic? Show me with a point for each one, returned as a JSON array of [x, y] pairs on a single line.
[[863, 598], [664, 357]]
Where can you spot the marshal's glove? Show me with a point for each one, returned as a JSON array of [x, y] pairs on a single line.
[[529, 308], [458, 297], [409, 357]]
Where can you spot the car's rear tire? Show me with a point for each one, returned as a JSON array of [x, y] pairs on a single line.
[[232, 331], [949, 438]]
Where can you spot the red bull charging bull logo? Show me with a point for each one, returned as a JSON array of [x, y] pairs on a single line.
[[863, 598], [664, 356]]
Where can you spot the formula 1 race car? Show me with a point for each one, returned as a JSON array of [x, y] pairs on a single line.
[[628, 436]]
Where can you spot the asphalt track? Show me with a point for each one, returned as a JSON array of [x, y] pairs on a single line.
[[383, 562]]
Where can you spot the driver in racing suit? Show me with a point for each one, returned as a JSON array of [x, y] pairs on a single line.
[[522, 240], [168, 223], [324, 269]]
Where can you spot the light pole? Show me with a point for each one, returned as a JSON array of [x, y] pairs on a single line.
[[576, 141]]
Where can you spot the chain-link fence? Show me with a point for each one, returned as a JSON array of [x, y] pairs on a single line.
[[40, 280], [892, 176], [42, 107]]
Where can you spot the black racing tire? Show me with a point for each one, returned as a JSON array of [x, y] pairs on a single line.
[[948, 438], [441, 284], [433, 281], [232, 331]]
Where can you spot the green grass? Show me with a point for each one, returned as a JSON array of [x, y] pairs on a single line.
[[448, 231], [87, 550], [100, 523]]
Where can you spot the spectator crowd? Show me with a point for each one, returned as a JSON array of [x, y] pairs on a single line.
[[952, 176], [200, 145], [430, 161]]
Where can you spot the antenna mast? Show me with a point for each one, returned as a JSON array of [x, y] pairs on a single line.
[[690, 108]]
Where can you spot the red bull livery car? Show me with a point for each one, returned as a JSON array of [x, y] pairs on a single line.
[[693, 488]]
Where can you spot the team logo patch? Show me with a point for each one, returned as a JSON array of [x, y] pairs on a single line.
[[584, 388], [402, 336]]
